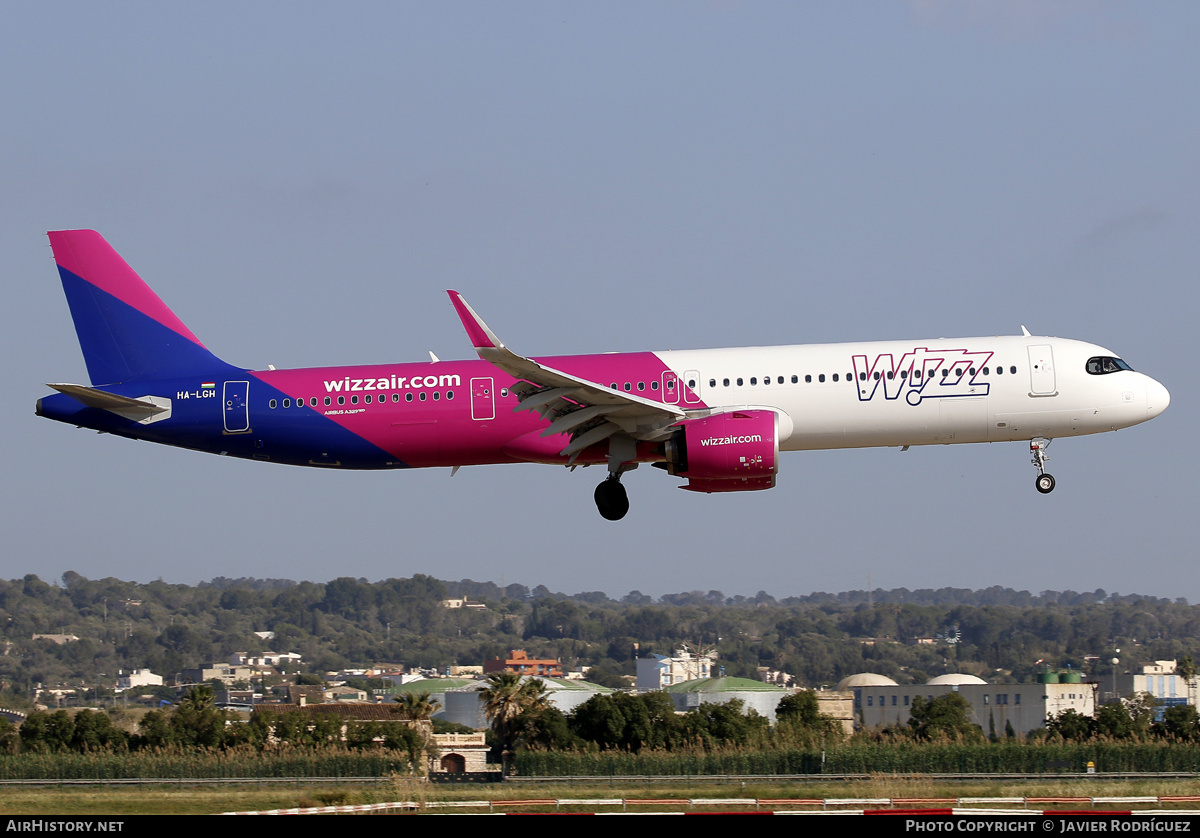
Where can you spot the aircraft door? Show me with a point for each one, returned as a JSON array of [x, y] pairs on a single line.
[[237, 407], [1041, 370], [670, 387], [483, 399], [692, 394]]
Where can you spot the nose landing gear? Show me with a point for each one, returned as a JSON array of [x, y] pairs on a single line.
[[1037, 447]]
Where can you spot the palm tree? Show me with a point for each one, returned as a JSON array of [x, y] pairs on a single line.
[[197, 720], [416, 706], [199, 698], [506, 698]]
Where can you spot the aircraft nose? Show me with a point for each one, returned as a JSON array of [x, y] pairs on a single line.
[[1157, 398]]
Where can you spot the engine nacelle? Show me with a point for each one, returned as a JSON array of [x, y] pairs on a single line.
[[736, 451], [744, 484]]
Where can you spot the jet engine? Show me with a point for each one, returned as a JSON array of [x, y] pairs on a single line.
[[736, 451]]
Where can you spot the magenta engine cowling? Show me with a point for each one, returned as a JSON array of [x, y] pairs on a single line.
[[736, 451]]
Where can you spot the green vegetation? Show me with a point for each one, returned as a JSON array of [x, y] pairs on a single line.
[[864, 758], [196, 739], [817, 639]]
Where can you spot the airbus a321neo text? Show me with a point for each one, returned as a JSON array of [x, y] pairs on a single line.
[[717, 418]]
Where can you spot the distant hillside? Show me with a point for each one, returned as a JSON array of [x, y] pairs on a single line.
[[997, 633]]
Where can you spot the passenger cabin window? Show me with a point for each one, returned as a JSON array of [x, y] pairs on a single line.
[[1103, 366]]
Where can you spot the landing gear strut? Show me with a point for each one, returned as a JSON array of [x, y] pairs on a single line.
[[1037, 447], [611, 499]]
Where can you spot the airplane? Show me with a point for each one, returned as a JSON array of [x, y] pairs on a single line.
[[716, 417]]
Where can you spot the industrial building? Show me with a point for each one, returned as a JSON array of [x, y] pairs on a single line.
[[880, 701]]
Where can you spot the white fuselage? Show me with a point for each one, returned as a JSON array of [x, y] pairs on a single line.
[[924, 392]]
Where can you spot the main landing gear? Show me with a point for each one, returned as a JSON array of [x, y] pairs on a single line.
[[1037, 447], [611, 499]]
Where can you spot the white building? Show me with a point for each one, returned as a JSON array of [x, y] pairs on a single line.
[[658, 672], [464, 704], [463, 602], [1159, 679], [993, 706], [137, 678], [264, 659], [754, 695]]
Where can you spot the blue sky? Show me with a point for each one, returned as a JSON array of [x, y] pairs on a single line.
[[300, 182]]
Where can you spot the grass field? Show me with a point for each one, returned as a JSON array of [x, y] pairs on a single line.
[[214, 799]]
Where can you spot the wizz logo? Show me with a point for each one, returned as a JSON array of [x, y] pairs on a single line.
[[922, 374]]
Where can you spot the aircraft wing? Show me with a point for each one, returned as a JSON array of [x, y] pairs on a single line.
[[589, 411]]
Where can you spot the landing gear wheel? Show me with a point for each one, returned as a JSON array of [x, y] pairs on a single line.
[[1037, 447], [611, 500]]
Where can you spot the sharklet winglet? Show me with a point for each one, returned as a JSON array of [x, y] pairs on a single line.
[[481, 336]]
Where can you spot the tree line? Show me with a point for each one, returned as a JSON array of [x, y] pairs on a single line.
[[816, 640], [197, 724]]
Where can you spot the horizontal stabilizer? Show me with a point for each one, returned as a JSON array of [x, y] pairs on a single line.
[[121, 405]]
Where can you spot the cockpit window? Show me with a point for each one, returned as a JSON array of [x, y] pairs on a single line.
[[1103, 366]]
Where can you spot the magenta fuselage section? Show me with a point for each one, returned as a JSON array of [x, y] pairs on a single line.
[[443, 413]]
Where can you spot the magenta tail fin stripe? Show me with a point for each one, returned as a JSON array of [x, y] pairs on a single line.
[[88, 256]]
